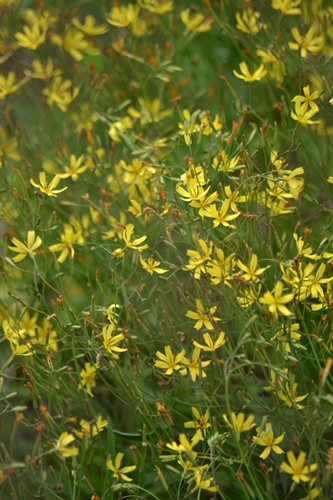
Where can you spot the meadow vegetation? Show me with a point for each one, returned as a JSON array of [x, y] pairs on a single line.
[[166, 260]]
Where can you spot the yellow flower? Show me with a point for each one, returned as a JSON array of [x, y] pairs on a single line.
[[123, 16], [308, 98], [211, 345], [276, 302], [204, 317], [74, 168], [289, 396], [151, 266], [119, 473], [32, 38], [88, 430], [266, 438], [135, 209], [248, 22], [201, 422], [302, 114], [58, 93], [221, 216], [309, 42], [202, 481], [21, 350], [287, 7], [251, 272], [42, 72], [196, 22], [73, 42], [157, 6], [194, 366], [150, 111], [45, 335], [238, 422], [168, 360], [8, 85], [111, 341], [28, 249], [127, 234], [62, 447], [88, 375], [90, 28], [46, 188], [297, 467], [66, 247], [250, 77], [12, 332], [8, 147]]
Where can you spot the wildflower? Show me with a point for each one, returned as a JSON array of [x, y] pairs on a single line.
[[314, 282], [127, 234], [88, 375], [156, 6], [21, 350], [48, 189], [276, 302], [150, 112], [211, 345], [23, 250], [32, 38], [201, 483], [309, 42], [45, 335], [119, 473], [67, 238], [302, 114], [308, 98], [123, 16], [287, 7], [204, 318], [151, 266], [278, 69], [168, 360], [289, 396], [135, 209], [111, 341], [186, 446], [198, 258], [250, 77], [29, 324], [238, 422], [248, 22], [195, 366], [74, 43], [89, 430], [62, 447], [8, 85], [195, 23], [201, 422], [194, 192], [74, 168], [41, 71], [251, 272], [297, 467], [287, 334], [221, 216], [112, 313], [58, 93], [90, 28], [266, 438], [8, 146], [12, 333]]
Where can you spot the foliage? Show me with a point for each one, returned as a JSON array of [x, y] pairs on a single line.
[[166, 264]]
